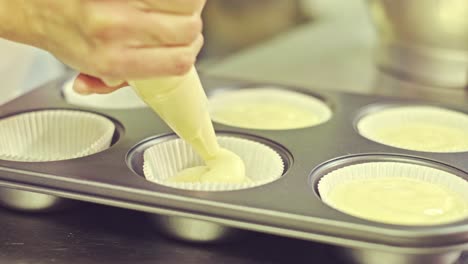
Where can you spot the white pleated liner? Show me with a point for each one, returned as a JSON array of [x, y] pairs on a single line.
[[401, 116], [166, 159], [123, 98], [225, 99], [374, 170], [50, 135]]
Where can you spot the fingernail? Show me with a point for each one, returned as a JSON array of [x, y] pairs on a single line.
[[80, 87], [111, 82]]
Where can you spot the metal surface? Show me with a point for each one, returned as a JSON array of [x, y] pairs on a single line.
[[193, 230], [189, 229], [373, 257], [25, 201], [286, 207], [33, 202]]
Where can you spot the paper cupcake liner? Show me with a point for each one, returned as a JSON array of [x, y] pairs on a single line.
[[385, 170], [432, 129], [305, 110], [50, 135], [165, 160], [123, 98]]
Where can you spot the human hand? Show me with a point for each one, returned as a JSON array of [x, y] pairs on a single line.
[[119, 39]]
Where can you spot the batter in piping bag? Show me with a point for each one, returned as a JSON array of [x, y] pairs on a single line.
[[181, 102]]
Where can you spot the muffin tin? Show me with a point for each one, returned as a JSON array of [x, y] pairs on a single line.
[[288, 206]]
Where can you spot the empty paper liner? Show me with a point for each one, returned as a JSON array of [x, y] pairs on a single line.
[[51, 135]]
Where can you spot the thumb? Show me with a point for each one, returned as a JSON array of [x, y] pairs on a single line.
[[85, 84]]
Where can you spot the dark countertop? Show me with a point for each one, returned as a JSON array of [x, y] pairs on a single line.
[[99, 234]]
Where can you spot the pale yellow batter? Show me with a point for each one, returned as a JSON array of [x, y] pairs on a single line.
[[265, 115], [181, 102], [226, 167], [423, 136], [268, 108], [398, 200]]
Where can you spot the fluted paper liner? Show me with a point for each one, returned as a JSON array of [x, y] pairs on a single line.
[[385, 170], [316, 109], [123, 98], [51, 135], [166, 159], [449, 131]]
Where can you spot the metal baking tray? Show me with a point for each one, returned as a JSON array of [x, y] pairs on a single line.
[[288, 207]]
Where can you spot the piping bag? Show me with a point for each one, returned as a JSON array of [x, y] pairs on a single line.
[[182, 103]]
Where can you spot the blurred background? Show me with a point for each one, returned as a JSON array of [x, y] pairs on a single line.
[[234, 25], [330, 43], [230, 26]]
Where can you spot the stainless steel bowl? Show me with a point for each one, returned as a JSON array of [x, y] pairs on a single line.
[[423, 40], [26, 201]]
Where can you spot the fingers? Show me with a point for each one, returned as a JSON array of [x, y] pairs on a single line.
[[149, 62], [86, 84], [173, 29], [175, 6], [155, 62], [122, 26], [153, 39], [164, 29]]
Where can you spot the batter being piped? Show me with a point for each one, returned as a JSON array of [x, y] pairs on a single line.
[[181, 102]]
